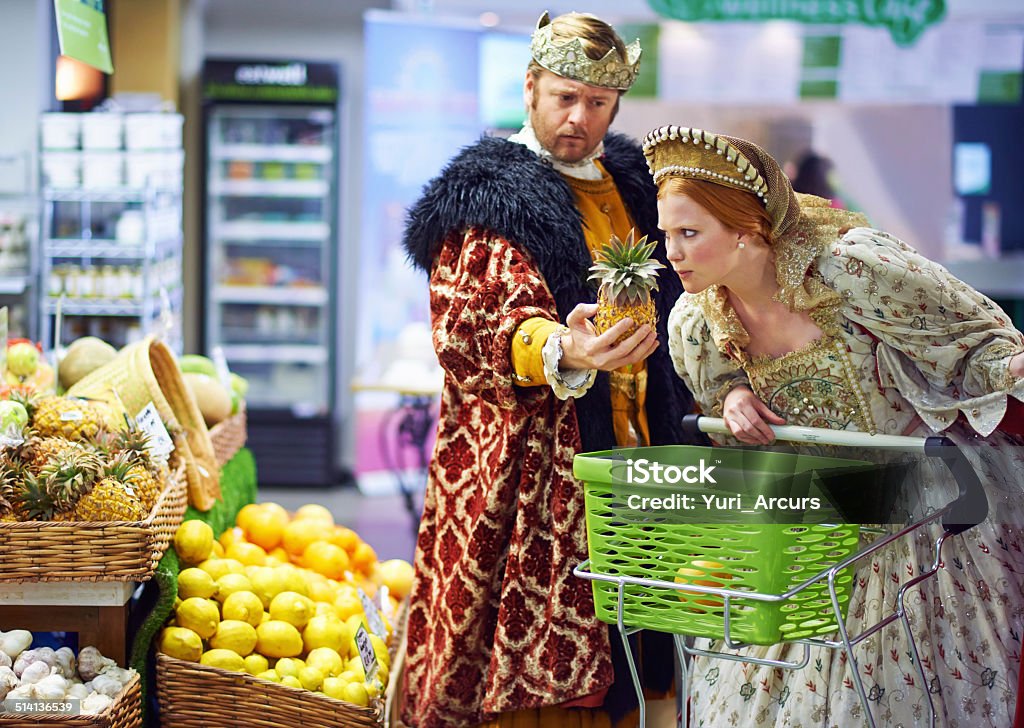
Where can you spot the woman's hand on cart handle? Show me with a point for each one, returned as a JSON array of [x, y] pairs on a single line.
[[584, 348], [748, 418]]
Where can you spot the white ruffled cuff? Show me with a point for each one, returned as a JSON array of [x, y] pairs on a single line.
[[569, 382]]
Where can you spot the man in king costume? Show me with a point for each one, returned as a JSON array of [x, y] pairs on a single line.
[[499, 628]]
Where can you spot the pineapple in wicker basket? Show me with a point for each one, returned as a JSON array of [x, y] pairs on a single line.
[[627, 275]]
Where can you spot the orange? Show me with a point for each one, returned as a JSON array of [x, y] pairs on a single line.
[[244, 517], [271, 506], [345, 537], [717, 581], [325, 558], [364, 557], [266, 527], [315, 512], [300, 534], [246, 553]]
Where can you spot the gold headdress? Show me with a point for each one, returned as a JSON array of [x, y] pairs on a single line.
[[570, 60], [680, 151]]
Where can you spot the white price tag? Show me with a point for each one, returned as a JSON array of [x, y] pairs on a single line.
[[160, 443], [366, 653], [373, 616], [385, 603]]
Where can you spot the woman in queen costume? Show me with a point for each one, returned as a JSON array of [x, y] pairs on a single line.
[[798, 313]]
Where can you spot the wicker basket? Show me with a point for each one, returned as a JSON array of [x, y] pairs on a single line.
[[228, 437], [124, 712], [198, 696], [93, 551], [146, 372]]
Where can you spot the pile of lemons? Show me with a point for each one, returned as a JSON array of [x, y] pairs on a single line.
[[277, 596]]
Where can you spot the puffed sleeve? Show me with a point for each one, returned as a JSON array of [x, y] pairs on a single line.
[[943, 345], [708, 373]]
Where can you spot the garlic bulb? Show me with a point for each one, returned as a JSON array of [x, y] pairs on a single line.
[[78, 690], [15, 642], [21, 692], [53, 687], [66, 663], [35, 672], [91, 663], [5, 660], [106, 685], [96, 703], [8, 681]]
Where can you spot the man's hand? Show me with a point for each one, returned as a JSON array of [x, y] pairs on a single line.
[[747, 417], [583, 348]]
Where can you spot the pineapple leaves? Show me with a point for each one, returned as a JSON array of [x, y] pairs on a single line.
[[626, 270]]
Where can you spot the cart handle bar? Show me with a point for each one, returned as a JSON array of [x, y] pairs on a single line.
[[968, 510]]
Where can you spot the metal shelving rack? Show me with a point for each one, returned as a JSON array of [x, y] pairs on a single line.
[[19, 284], [151, 296]]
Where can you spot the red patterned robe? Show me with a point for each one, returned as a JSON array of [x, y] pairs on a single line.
[[497, 620]]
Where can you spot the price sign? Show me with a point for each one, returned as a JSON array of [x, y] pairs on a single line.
[[373, 616], [366, 653], [160, 443]]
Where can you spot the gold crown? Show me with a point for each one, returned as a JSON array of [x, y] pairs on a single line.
[[570, 60], [679, 151]]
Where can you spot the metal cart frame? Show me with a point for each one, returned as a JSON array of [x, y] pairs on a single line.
[[966, 511]]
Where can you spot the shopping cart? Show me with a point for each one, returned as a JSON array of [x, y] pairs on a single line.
[[757, 582]]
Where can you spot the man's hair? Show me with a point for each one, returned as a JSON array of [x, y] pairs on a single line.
[[735, 209]]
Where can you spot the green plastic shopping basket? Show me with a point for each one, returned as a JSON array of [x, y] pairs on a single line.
[[713, 547]]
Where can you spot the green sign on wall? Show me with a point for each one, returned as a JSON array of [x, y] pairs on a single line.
[[905, 19], [82, 32]]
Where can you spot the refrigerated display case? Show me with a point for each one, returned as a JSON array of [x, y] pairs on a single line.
[[271, 137]]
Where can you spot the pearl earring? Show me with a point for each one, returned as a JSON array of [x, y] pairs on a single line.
[[741, 246]]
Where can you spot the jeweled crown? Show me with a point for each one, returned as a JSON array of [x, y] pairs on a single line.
[[570, 60], [684, 152]]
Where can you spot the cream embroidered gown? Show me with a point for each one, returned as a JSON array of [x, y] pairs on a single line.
[[901, 337]]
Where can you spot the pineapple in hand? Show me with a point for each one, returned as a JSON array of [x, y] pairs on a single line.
[[626, 274]]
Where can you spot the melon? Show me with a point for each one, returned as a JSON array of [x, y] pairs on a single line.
[[82, 357], [211, 396]]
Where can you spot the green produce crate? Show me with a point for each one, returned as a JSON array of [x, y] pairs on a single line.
[[768, 551]]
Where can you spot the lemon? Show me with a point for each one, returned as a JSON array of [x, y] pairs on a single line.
[[293, 608], [321, 590], [199, 615], [355, 693], [193, 541], [381, 650], [326, 631], [289, 666], [264, 618], [324, 609], [267, 583], [291, 681], [193, 582], [334, 687], [243, 606], [219, 567], [217, 552], [181, 643], [327, 559], [234, 635], [355, 665], [247, 553], [396, 575], [294, 579], [275, 638], [374, 688], [311, 678], [256, 663], [326, 660], [231, 583], [270, 675], [224, 659]]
